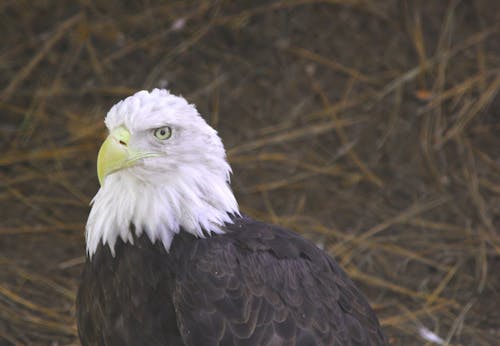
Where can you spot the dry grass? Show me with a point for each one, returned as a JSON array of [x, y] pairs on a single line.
[[371, 127]]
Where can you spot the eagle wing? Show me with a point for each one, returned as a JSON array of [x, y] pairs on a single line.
[[265, 285]]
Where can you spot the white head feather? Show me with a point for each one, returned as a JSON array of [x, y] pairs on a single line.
[[186, 188]]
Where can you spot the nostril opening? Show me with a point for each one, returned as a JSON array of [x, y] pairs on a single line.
[[123, 143]]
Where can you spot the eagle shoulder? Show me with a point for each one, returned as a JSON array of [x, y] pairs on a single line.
[[260, 284], [125, 299]]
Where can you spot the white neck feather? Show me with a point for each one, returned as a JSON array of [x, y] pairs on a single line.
[[194, 200]]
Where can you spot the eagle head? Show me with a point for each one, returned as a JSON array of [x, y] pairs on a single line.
[[162, 169]]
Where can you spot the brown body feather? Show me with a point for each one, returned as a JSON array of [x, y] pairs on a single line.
[[257, 284]]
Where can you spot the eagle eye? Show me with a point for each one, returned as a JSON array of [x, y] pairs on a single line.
[[163, 132]]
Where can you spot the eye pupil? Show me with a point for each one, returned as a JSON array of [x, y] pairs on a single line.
[[163, 133]]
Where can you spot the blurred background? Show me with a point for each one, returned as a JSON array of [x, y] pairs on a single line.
[[370, 127]]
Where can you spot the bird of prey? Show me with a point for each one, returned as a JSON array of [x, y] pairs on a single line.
[[172, 261]]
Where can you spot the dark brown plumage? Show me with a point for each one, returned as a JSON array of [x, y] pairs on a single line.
[[257, 284]]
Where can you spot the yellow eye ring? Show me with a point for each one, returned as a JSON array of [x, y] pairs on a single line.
[[163, 133]]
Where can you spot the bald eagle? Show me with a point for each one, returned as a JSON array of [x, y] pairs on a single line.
[[172, 261]]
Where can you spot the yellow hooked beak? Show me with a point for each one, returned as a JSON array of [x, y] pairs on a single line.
[[115, 153]]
